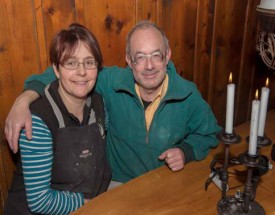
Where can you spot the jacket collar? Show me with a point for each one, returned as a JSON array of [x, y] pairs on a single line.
[[178, 88], [124, 81]]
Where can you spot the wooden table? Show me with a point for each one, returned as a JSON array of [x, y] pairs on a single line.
[[162, 191]]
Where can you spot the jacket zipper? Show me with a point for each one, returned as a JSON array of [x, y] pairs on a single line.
[[148, 131]]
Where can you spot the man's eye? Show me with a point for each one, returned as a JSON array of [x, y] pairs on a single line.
[[140, 58], [157, 57]]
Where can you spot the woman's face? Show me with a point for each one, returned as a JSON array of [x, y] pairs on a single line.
[[75, 84]]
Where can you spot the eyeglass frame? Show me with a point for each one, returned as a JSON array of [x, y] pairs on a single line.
[[148, 56], [63, 64]]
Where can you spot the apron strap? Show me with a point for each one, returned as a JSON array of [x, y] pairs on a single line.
[[56, 110], [92, 118], [58, 113]]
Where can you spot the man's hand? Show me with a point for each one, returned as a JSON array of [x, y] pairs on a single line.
[[19, 117], [174, 158]]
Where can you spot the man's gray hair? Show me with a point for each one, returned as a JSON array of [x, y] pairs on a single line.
[[145, 24]]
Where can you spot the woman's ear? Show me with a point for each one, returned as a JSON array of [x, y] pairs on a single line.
[[56, 71]]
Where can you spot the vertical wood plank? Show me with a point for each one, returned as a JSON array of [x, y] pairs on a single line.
[[229, 36], [245, 93], [3, 182], [146, 9], [18, 50], [79, 11], [39, 27], [159, 13], [179, 23], [110, 21], [18, 59], [57, 15], [204, 34]]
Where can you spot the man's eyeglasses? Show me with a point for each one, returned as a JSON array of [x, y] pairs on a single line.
[[141, 59], [73, 64]]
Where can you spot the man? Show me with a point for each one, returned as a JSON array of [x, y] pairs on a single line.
[[155, 116]]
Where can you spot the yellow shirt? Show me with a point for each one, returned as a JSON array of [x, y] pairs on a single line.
[[151, 109]]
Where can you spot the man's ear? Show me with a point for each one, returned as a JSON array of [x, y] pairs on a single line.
[[128, 60], [168, 55], [56, 71]]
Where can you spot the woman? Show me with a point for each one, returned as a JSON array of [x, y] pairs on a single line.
[[64, 165]]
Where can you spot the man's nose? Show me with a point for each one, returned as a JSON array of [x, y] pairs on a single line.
[[149, 64]]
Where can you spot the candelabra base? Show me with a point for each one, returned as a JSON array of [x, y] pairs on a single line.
[[228, 138], [231, 206], [261, 141]]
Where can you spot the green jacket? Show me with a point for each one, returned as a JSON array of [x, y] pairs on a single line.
[[183, 120]]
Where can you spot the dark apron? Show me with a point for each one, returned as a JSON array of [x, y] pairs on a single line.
[[79, 162]]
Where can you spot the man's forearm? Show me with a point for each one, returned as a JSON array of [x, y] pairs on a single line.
[[27, 97], [20, 117]]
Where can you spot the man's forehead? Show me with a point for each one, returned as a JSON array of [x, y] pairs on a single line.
[[146, 32], [147, 39]]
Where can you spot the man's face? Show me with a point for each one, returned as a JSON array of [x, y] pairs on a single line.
[[148, 58]]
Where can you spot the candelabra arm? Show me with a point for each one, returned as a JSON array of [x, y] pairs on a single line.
[[255, 181], [224, 172], [248, 191]]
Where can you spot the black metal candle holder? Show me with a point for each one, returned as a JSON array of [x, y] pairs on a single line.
[[261, 141], [224, 205], [241, 203]]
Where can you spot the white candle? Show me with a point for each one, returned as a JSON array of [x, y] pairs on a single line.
[[267, 4], [254, 126], [230, 106], [263, 109]]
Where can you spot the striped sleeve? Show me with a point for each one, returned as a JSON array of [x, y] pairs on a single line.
[[37, 159]]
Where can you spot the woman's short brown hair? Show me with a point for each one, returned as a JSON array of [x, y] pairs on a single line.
[[66, 41]]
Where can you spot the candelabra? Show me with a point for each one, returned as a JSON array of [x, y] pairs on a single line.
[[261, 141], [242, 202]]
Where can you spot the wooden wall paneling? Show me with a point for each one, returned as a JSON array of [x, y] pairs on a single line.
[[229, 29], [213, 56], [7, 90], [204, 33], [18, 60], [39, 27], [147, 9], [7, 167], [271, 102], [247, 69], [18, 50], [6, 93], [110, 21], [179, 23], [79, 11], [57, 15], [3, 182]]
